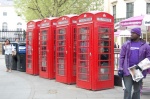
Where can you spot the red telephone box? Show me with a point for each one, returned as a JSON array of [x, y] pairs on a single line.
[[32, 40], [95, 51], [46, 48], [65, 49]]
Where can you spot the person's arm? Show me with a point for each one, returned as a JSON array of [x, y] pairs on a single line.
[[122, 57]]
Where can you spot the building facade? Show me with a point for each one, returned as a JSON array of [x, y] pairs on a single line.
[[123, 9], [9, 19]]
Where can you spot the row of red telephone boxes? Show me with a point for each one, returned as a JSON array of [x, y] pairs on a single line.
[[73, 49]]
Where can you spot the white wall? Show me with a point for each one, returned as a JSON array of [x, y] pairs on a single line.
[[12, 18]]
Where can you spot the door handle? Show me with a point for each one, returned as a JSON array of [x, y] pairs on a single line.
[[90, 54], [66, 52]]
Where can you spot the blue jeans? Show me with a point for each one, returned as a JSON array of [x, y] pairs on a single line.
[[128, 81]]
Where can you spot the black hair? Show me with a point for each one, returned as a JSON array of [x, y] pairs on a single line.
[[7, 40]]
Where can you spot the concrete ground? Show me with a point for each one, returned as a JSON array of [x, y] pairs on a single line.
[[19, 85]]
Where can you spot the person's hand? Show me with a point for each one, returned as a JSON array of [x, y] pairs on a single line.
[[137, 67], [120, 73]]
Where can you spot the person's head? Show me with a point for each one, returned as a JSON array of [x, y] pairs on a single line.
[[7, 41], [135, 33]]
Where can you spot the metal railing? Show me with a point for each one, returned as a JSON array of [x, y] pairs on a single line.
[[116, 58], [12, 35]]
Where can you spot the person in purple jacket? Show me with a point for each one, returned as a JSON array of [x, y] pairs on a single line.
[[132, 52]]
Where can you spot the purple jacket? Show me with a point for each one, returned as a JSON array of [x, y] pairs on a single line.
[[144, 52]]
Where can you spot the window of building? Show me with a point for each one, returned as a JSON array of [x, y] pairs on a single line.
[[129, 10], [114, 13], [19, 26], [4, 26], [4, 13], [148, 8]]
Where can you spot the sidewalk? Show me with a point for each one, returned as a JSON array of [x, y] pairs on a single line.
[[19, 85]]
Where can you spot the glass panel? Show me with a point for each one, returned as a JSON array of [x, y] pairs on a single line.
[[84, 57], [103, 63], [84, 30], [104, 77], [103, 30], [84, 37], [103, 70], [62, 31], [103, 43], [43, 63], [61, 66], [84, 63], [44, 32], [61, 43], [103, 57], [83, 77], [61, 48], [83, 70], [84, 43], [61, 37], [29, 65], [104, 50], [61, 61], [61, 54], [61, 72], [83, 50], [104, 37]]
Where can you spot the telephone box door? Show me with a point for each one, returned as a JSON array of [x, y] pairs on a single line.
[[83, 56], [104, 57], [61, 54], [29, 52], [43, 36]]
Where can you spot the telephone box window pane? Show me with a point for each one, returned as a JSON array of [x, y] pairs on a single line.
[[44, 32], [43, 43], [83, 50], [62, 31], [103, 57], [104, 37], [104, 50], [103, 70], [61, 66], [29, 65], [43, 68], [84, 37], [104, 77], [84, 63], [61, 37], [29, 52], [103, 30], [83, 77], [61, 54], [44, 37], [103, 63], [84, 30], [61, 48], [61, 61], [43, 47], [104, 43], [61, 72], [84, 57], [84, 43], [61, 43], [43, 63], [83, 70]]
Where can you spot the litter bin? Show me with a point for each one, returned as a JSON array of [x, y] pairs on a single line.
[[21, 57]]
